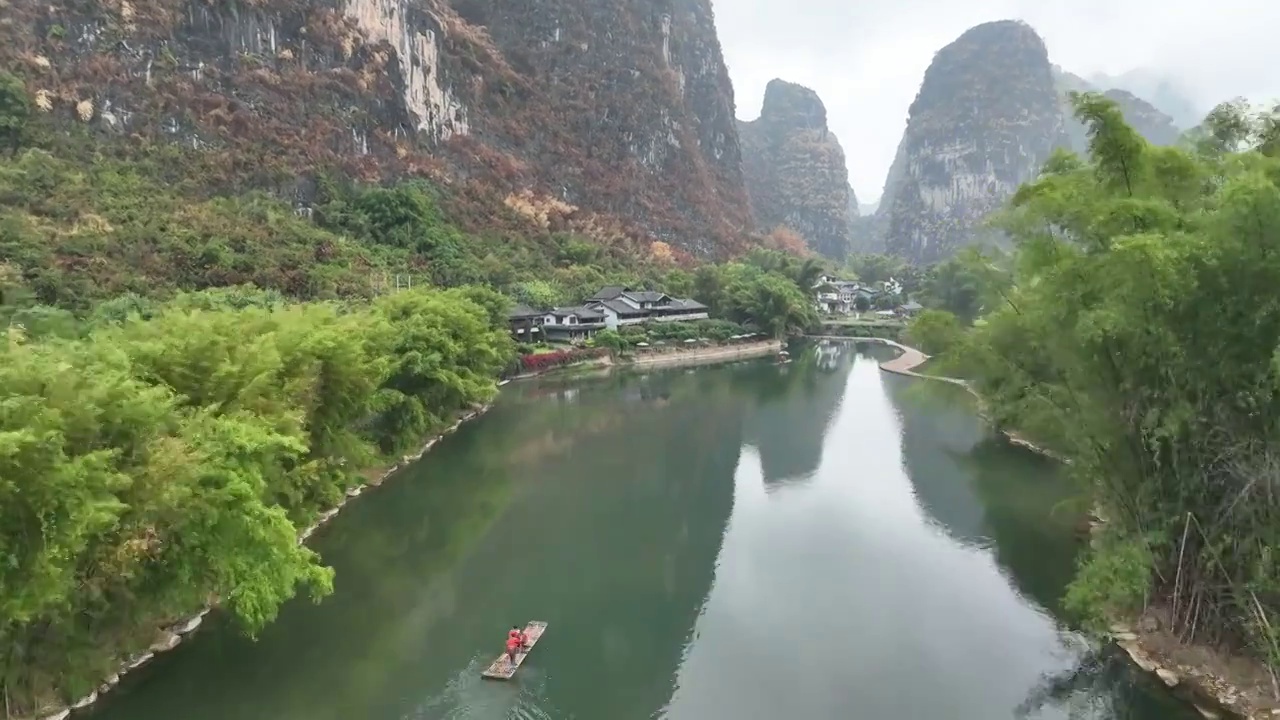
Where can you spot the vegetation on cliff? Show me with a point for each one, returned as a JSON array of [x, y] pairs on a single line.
[[1138, 336], [623, 111]]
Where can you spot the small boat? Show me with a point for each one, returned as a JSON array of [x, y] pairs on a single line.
[[784, 357], [502, 668]]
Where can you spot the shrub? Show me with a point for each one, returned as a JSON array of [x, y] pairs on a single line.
[[546, 361]]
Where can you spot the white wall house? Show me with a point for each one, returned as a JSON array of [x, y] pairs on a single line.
[[573, 324], [624, 306]]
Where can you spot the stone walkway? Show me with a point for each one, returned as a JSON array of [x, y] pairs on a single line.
[[904, 364]]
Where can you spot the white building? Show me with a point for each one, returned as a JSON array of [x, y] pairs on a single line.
[[624, 306]]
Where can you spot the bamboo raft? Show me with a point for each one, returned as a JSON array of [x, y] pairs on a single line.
[[502, 668]]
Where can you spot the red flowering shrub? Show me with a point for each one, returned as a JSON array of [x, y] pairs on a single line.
[[560, 358]]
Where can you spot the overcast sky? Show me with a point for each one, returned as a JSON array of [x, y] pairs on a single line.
[[866, 58]]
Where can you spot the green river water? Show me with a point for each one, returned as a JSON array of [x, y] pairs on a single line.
[[813, 540]]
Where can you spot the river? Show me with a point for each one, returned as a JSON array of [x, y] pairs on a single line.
[[813, 540]]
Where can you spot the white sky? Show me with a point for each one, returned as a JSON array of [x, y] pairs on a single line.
[[866, 58]]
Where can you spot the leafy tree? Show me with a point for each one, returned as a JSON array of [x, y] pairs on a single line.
[[873, 268], [447, 356], [935, 331], [15, 110], [964, 284], [768, 299], [678, 283], [539, 294], [611, 339], [495, 304]]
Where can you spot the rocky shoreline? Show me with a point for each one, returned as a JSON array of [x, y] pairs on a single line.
[[171, 636], [1220, 685], [1198, 673]]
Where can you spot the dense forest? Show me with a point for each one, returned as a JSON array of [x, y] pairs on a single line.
[[1135, 330], [188, 379]]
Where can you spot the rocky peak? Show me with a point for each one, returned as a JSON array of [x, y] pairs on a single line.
[[795, 169], [1163, 93], [620, 108], [1154, 125], [793, 107], [986, 117], [1157, 127]]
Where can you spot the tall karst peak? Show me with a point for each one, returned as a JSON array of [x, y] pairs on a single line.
[[615, 109], [795, 169], [986, 117]]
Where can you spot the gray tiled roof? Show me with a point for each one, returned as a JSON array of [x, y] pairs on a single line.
[[622, 308], [687, 304], [608, 292], [582, 312], [645, 295]]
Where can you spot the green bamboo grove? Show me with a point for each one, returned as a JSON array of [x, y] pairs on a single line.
[[1136, 330], [148, 466]]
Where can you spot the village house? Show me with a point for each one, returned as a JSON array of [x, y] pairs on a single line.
[[612, 307], [571, 324], [833, 296], [526, 323], [842, 297], [911, 308], [625, 306]]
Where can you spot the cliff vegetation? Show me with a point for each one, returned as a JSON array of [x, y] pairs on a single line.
[[622, 111]]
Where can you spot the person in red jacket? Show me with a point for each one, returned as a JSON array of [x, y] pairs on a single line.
[[515, 642]]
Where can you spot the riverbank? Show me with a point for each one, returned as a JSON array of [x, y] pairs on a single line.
[[677, 357], [605, 361], [1220, 684], [704, 355], [172, 635]]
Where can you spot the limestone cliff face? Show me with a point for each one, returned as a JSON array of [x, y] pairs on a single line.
[[621, 107], [795, 169], [986, 117], [1155, 126]]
